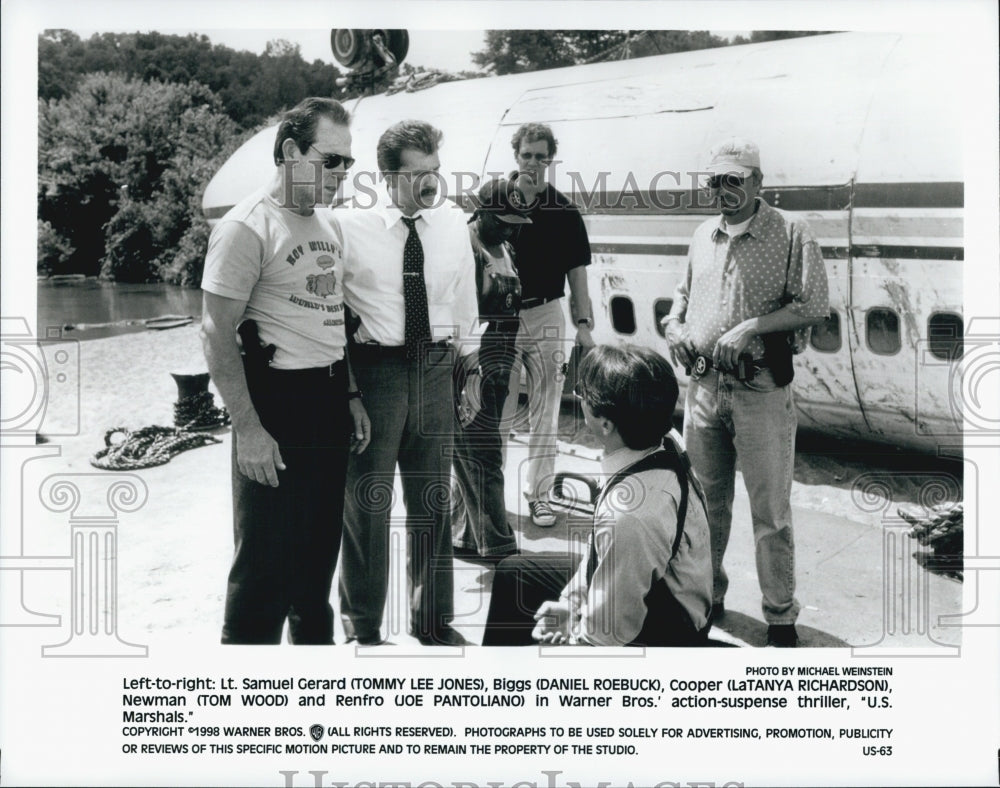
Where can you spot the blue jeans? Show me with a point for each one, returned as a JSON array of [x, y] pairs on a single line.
[[725, 418]]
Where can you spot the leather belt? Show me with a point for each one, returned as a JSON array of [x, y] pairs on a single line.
[[329, 371], [747, 369], [394, 351], [530, 303]]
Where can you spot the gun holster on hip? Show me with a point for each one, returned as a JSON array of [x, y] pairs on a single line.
[[256, 357], [778, 356]]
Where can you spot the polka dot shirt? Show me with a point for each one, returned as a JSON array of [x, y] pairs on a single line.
[[774, 262]]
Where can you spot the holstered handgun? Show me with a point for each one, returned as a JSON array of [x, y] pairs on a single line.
[[745, 368], [351, 322], [778, 356], [256, 357]]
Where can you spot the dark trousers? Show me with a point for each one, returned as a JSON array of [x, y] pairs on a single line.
[[413, 422], [523, 582], [520, 585], [288, 537], [479, 511]]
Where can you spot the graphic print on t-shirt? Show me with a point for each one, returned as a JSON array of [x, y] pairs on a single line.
[[287, 268], [322, 284]]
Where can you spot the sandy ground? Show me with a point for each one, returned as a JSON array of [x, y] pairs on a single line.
[[174, 551]]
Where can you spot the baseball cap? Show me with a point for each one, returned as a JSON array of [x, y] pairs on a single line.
[[737, 155], [502, 198]]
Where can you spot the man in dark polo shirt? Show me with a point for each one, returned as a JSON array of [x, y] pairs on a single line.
[[550, 251]]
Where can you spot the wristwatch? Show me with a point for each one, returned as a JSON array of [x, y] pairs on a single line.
[[356, 394], [586, 321]]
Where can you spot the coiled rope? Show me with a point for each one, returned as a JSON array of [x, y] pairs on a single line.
[[146, 447], [198, 412]]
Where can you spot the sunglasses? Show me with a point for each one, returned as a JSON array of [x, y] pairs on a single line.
[[535, 156], [729, 180], [333, 160]]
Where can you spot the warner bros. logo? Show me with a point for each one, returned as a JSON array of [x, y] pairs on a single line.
[[316, 731]]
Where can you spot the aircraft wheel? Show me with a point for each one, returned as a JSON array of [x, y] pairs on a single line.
[[350, 47], [399, 44], [396, 41]]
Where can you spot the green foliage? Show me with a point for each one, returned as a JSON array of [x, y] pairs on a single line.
[[515, 51], [758, 36], [251, 87], [53, 250], [122, 166], [132, 126], [665, 42], [130, 237]]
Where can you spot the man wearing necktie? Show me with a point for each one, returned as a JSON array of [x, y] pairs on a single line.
[[409, 276]]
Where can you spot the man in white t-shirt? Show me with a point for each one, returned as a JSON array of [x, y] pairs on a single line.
[[274, 263]]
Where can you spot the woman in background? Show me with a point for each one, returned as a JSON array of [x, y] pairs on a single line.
[[480, 530]]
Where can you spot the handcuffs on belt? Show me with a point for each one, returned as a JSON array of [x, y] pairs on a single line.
[[747, 367]]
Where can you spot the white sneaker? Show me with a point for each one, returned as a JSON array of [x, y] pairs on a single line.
[[542, 514]]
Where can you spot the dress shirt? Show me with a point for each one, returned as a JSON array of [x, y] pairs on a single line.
[[634, 529], [373, 240], [732, 278]]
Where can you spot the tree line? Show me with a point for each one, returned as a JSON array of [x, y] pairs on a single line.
[[516, 51], [250, 87], [133, 126], [131, 129]]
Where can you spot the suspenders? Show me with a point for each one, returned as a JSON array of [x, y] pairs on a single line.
[[667, 458]]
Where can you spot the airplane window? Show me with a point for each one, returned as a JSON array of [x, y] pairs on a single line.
[[882, 328], [826, 335], [623, 315], [944, 332], [661, 309]]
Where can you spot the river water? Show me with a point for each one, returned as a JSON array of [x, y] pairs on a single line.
[[88, 305]]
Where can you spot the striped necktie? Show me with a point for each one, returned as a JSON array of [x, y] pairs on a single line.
[[417, 328]]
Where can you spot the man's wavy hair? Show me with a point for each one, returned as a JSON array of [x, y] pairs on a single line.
[[633, 387], [416, 135], [534, 132]]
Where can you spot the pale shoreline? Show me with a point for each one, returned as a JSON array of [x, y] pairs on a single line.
[[175, 551]]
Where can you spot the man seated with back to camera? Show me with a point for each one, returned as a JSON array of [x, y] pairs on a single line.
[[646, 579]]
